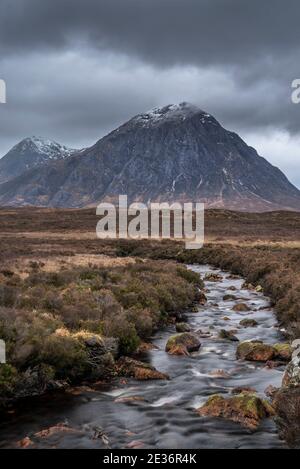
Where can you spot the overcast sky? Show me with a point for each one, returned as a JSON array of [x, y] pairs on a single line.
[[76, 69]]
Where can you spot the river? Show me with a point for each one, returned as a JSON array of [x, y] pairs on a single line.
[[165, 417]]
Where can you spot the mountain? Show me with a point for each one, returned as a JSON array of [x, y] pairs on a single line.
[[29, 153], [173, 153]]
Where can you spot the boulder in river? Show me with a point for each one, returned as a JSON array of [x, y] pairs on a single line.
[[213, 277], [229, 297], [246, 408], [183, 327], [202, 299], [247, 322], [255, 351], [185, 343], [228, 335], [131, 368], [283, 351], [241, 308]]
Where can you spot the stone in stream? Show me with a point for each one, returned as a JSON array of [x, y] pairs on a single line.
[[202, 299], [232, 288], [228, 335], [183, 327], [182, 344], [25, 443], [258, 351], [219, 374], [246, 408], [247, 322], [229, 297], [233, 277], [213, 277], [241, 308], [129, 399], [131, 368], [255, 351], [243, 389], [283, 351]]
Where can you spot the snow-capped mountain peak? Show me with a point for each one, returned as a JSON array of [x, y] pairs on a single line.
[[29, 153], [178, 112]]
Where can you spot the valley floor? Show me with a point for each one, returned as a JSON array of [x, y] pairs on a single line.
[[53, 268]]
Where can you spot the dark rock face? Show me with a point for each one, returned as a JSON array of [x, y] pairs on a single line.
[[174, 153], [28, 154]]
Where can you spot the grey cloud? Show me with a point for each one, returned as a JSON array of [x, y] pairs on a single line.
[[77, 69]]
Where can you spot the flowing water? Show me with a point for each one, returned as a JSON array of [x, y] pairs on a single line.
[[166, 417]]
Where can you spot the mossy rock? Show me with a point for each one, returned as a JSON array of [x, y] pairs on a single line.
[[241, 308], [283, 351], [183, 327], [248, 322], [139, 370], [228, 335], [229, 297], [213, 277], [255, 351], [246, 408], [185, 341]]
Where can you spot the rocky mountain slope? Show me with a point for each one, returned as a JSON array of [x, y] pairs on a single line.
[[173, 153], [29, 153]]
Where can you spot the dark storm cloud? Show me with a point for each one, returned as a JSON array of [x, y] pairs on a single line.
[[76, 69], [159, 31]]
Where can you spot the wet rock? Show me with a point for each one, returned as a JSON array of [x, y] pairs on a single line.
[[226, 318], [248, 286], [243, 389], [247, 322], [232, 288], [233, 277], [136, 444], [241, 308], [275, 363], [213, 277], [270, 391], [25, 443], [131, 368], [99, 434], [219, 374], [228, 335], [183, 327], [229, 297], [258, 288], [204, 333], [58, 428], [129, 399], [255, 351], [182, 344], [246, 408], [283, 351], [202, 298]]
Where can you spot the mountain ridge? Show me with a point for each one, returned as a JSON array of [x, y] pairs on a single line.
[[172, 153]]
